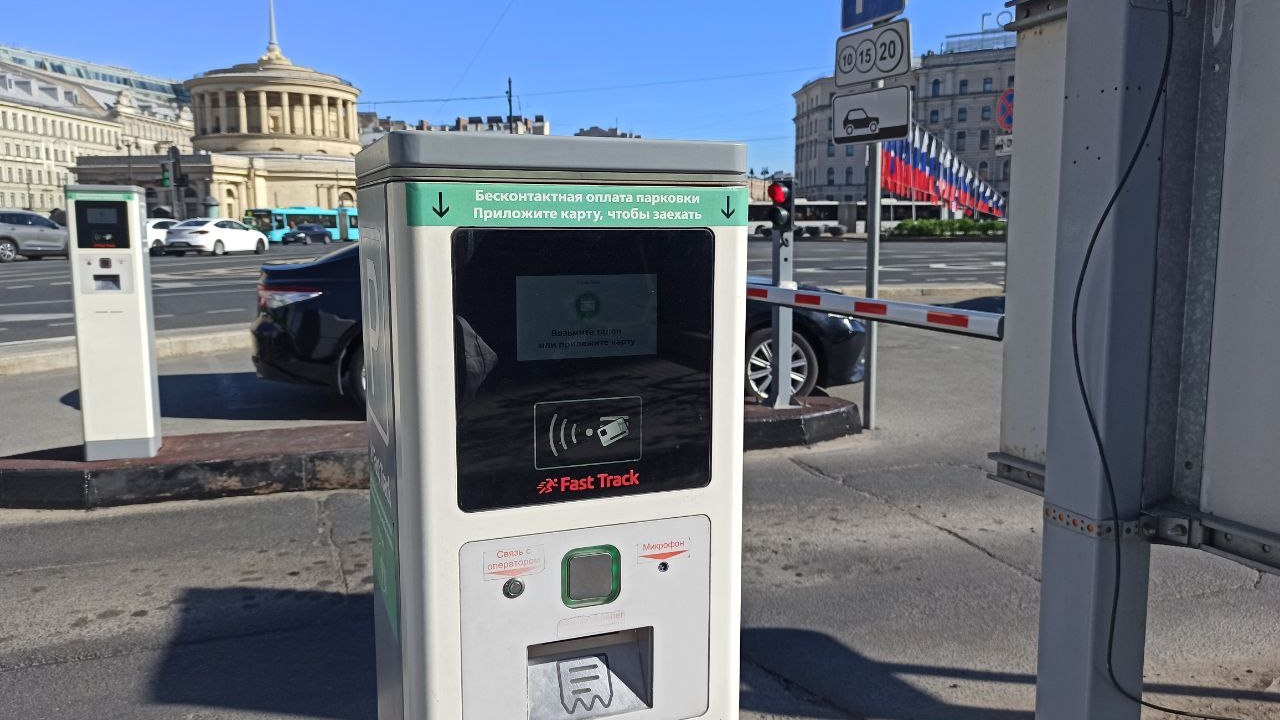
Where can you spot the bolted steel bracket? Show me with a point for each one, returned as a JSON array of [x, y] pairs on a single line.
[[1101, 529]]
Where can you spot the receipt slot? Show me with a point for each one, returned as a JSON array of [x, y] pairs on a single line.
[[553, 368], [115, 329]]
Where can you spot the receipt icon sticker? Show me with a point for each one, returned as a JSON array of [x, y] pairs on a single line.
[[584, 682]]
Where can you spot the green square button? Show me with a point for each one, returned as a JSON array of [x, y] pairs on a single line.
[[591, 576]]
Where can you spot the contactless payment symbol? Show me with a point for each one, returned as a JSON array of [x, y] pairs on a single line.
[[571, 433]]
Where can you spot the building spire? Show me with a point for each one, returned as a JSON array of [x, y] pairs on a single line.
[[273, 47]]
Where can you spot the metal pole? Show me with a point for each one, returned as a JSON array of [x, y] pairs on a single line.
[[873, 279], [1109, 45], [782, 347], [511, 123]]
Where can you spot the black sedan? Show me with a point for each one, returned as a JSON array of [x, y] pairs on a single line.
[[307, 233], [308, 331]]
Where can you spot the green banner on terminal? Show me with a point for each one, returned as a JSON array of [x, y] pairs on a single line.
[[100, 195], [569, 206]]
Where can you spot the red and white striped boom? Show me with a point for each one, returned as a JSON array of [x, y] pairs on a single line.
[[931, 317]]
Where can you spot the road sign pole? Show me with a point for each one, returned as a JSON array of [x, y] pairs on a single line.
[[1109, 45], [873, 279], [783, 246]]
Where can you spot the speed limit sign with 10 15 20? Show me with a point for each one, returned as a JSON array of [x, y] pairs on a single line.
[[881, 51]]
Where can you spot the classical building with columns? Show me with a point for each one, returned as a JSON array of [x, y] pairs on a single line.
[[267, 134]]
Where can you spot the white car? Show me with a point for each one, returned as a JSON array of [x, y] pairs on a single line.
[[155, 230], [216, 236]]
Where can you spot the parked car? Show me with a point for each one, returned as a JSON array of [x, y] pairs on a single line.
[[308, 331], [307, 233], [155, 230], [30, 235], [216, 236]]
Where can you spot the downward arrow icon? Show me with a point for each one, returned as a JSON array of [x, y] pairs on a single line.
[[728, 210], [440, 210]]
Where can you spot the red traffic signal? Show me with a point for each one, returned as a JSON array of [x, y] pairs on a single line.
[[783, 210], [779, 193]]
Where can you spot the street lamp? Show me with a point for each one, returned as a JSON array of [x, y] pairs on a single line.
[[129, 144]]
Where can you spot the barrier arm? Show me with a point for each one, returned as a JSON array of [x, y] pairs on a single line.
[[971, 323]]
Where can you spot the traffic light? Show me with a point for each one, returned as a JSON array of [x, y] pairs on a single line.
[[182, 180], [782, 214], [165, 179]]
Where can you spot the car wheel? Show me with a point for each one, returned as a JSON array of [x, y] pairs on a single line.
[[8, 251], [874, 127], [804, 364], [848, 129], [306, 240], [260, 248], [219, 248], [156, 251], [325, 240], [357, 376]]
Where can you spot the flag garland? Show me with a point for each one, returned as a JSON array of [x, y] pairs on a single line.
[[922, 168]]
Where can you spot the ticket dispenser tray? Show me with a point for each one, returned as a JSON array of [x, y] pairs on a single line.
[[592, 677]]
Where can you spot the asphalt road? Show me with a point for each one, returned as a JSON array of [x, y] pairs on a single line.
[[902, 262], [885, 578], [35, 296], [191, 291]]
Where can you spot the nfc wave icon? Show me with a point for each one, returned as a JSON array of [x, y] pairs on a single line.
[[584, 682]]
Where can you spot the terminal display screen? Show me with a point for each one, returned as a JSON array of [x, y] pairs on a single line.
[[102, 224], [583, 363]]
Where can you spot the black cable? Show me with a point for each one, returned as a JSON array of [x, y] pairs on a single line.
[[1084, 393]]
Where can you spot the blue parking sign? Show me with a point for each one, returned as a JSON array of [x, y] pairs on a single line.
[[857, 13]]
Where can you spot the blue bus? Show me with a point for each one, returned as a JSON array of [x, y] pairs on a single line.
[[342, 224]]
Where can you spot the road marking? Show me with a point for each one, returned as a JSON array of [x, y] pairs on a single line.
[[231, 310], [34, 317], [64, 282], [62, 324], [19, 287], [158, 317]]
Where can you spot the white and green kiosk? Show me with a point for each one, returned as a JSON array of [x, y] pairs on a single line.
[[115, 321], [553, 341]]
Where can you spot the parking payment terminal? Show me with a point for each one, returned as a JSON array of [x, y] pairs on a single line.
[[553, 350], [115, 327]]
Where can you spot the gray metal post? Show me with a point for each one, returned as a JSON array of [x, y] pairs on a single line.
[[873, 279], [783, 244], [1113, 61]]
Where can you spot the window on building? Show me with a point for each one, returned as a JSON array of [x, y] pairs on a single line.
[[933, 116], [848, 176], [961, 137], [829, 125], [831, 176], [848, 198], [1004, 170], [964, 87], [986, 112], [988, 85], [848, 150], [1010, 81], [962, 114], [984, 171], [39, 177], [831, 148], [984, 140], [935, 88]]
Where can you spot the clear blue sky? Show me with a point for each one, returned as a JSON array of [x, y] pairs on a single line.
[[411, 49]]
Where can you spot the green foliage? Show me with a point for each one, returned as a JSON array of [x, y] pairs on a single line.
[[959, 227]]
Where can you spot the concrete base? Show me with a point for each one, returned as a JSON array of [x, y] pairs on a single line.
[[814, 420], [190, 467]]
